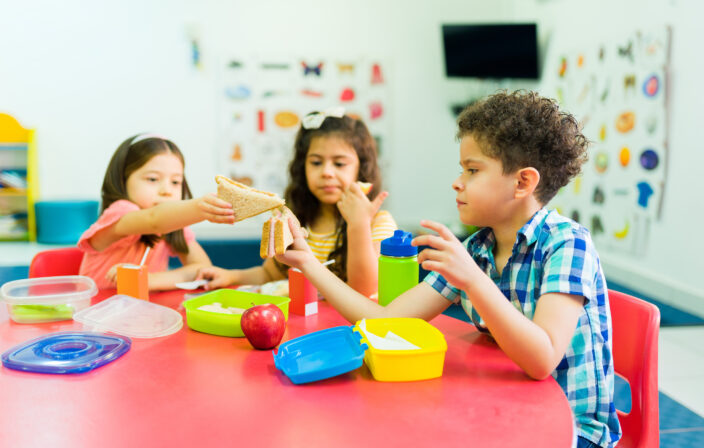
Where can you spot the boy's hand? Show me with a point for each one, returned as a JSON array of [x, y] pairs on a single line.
[[356, 208], [447, 256], [214, 209], [299, 253], [217, 277]]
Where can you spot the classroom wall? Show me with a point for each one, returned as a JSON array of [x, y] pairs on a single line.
[[671, 266], [87, 75]]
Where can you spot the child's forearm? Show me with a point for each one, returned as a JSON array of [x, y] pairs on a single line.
[[352, 305], [526, 343], [169, 216], [257, 275], [161, 281], [362, 260]]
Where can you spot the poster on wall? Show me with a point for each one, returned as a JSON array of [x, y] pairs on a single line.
[[263, 100], [618, 92]]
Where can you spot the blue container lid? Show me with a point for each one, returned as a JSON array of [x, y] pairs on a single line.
[[66, 352], [399, 245], [321, 354]]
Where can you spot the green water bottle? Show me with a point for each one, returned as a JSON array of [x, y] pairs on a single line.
[[398, 266]]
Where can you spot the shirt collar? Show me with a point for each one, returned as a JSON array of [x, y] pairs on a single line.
[[484, 238]]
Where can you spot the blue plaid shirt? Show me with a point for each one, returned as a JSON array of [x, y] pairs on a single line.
[[555, 254]]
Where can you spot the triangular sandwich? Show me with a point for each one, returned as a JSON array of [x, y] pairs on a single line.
[[246, 201]]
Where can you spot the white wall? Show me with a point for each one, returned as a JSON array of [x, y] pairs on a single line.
[[87, 75], [673, 265]]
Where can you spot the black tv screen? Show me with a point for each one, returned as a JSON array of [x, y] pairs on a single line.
[[491, 50]]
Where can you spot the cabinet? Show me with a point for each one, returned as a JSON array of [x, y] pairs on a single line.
[[18, 181]]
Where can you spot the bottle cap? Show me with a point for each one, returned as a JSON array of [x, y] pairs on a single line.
[[399, 245]]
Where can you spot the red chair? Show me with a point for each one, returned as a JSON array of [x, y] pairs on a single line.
[[636, 324], [55, 262]]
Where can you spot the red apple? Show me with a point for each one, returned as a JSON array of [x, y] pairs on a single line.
[[263, 325]]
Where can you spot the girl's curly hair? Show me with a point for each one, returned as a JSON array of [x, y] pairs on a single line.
[[299, 198], [523, 129]]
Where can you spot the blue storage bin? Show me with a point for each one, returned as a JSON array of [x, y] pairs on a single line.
[[63, 222]]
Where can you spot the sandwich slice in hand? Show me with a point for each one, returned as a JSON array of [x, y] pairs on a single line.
[[276, 234], [246, 201], [365, 186]]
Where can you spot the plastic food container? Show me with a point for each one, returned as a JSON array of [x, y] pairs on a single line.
[[131, 317], [47, 299], [320, 355], [406, 365], [221, 324]]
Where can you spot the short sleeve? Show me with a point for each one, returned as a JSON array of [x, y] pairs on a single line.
[[110, 216], [383, 226], [442, 286], [571, 267]]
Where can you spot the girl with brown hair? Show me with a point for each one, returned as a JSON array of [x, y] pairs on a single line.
[[332, 153], [146, 203]]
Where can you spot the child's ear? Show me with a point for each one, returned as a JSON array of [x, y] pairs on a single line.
[[526, 182]]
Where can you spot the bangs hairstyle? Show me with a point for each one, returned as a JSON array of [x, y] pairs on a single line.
[[522, 129], [127, 159], [304, 204]]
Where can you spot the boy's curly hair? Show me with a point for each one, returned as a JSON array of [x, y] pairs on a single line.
[[523, 129]]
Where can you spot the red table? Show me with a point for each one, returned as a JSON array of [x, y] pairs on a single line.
[[195, 389]]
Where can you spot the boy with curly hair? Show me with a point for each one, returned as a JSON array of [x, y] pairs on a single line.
[[529, 277]]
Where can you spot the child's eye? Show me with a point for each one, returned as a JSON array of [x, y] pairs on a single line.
[[340, 165], [152, 179], [471, 170], [315, 162], [176, 182]]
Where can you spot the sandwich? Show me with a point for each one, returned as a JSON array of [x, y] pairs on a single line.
[[365, 186], [276, 234], [246, 201]]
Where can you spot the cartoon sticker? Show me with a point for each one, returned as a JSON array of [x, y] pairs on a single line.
[[651, 86], [598, 196], [376, 110], [621, 234], [316, 70], [240, 92], [645, 191], [347, 94], [649, 159], [601, 162], [377, 77], [286, 119], [625, 122], [624, 157], [597, 227]]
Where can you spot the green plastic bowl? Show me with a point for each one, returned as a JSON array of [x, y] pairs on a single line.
[[226, 324]]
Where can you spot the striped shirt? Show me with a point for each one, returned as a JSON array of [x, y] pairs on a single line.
[[322, 244], [553, 254]]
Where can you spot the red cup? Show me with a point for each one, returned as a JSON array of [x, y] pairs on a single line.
[[304, 296]]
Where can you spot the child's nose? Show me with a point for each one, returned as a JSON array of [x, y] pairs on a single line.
[[328, 170], [457, 185], [164, 189]]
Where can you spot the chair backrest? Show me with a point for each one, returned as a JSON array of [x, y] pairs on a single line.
[[636, 324], [55, 262]]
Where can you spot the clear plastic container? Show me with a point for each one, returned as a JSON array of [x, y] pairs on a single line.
[[47, 299], [131, 317]]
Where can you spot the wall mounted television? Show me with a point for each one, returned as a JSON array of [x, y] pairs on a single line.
[[491, 50]]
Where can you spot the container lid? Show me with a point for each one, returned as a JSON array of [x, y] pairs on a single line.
[[131, 317], [399, 245], [66, 352], [321, 354], [48, 290]]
